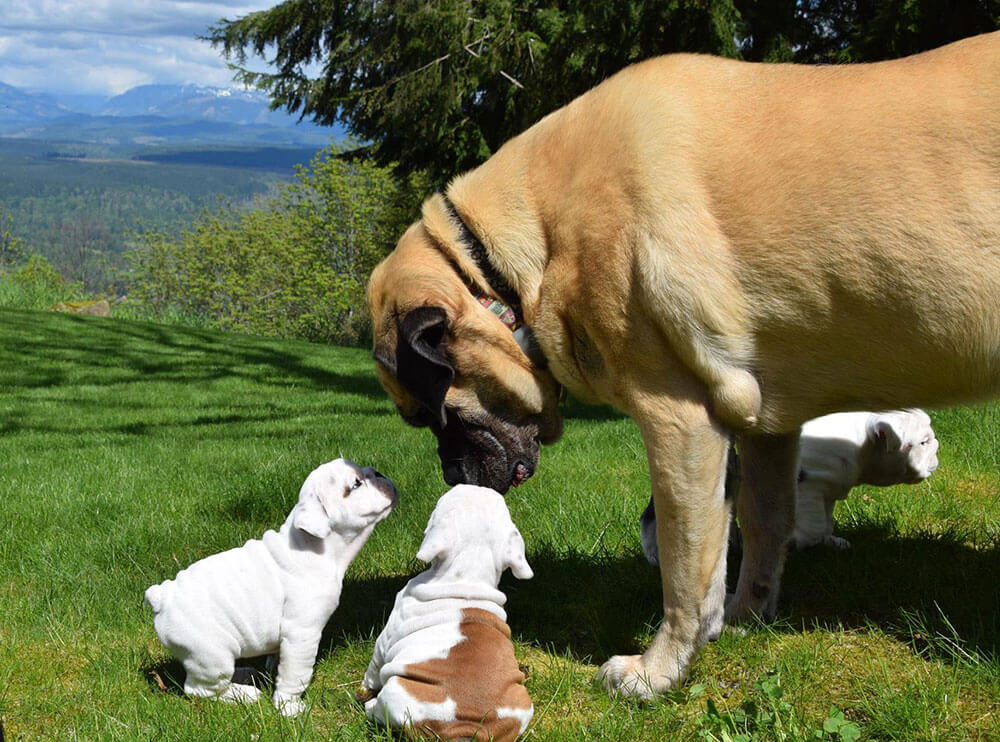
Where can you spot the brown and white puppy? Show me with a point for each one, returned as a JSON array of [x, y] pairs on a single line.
[[444, 664], [715, 248]]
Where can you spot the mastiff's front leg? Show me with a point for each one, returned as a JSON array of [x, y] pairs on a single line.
[[687, 462]]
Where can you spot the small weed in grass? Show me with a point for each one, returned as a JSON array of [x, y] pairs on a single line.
[[767, 716]]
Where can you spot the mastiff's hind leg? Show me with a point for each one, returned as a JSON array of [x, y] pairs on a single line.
[[766, 511]]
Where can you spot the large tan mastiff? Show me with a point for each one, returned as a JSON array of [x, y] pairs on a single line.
[[715, 248]]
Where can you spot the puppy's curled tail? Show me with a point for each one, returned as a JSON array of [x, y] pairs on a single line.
[[154, 597]]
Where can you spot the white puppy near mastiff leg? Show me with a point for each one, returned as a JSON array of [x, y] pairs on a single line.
[[839, 451], [273, 594], [444, 664], [836, 453]]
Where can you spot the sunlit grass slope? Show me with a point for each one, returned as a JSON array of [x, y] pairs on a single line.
[[129, 450]]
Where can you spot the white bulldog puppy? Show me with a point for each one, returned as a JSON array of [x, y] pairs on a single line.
[[839, 451], [274, 594], [836, 453], [444, 664]]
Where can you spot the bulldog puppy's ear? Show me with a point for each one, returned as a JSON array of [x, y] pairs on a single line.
[[423, 365], [310, 515], [515, 558], [433, 546], [885, 429]]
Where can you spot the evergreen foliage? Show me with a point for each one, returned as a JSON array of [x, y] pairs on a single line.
[[441, 85]]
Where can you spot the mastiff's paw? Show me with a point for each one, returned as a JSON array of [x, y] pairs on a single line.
[[625, 675], [759, 604]]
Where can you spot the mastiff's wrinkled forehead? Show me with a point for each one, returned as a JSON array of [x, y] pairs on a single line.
[[450, 364]]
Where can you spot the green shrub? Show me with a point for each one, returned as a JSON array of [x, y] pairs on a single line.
[[35, 285], [12, 250], [295, 267]]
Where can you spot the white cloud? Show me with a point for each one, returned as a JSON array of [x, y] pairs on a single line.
[[107, 46]]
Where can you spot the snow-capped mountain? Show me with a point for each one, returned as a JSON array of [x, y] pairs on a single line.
[[196, 102], [193, 111]]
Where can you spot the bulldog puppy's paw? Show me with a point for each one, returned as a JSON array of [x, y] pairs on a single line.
[[836, 542], [288, 705], [711, 627], [625, 675], [363, 695], [240, 693], [736, 630]]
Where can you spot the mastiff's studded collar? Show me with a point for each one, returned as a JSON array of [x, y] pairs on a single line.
[[505, 301], [506, 304]]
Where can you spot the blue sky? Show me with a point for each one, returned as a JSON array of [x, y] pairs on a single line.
[[104, 47]]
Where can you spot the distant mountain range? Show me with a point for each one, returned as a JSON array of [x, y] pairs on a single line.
[[22, 105], [156, 114]]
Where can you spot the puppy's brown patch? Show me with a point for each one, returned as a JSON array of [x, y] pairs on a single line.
[[480, 674]]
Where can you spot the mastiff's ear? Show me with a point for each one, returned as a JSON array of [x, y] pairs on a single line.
[[310, 515], [514, 557], [423, 365]]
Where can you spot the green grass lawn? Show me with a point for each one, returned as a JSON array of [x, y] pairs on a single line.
[[129, 450]]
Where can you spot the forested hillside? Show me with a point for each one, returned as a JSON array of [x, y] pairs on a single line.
[[78, 206], [78, 178]]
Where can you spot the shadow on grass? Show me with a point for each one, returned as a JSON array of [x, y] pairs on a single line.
[[883, 577], [590, 605], [595, 607], [130, 362], [49, 349], [364, 607], [573, 409], [166, 677]]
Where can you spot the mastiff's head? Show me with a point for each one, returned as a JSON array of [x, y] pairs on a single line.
[[452, 365]]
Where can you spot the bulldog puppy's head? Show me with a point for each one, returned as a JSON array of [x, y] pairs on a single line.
[[341, 497], [468, 522], [451, 365], [903, 448]]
